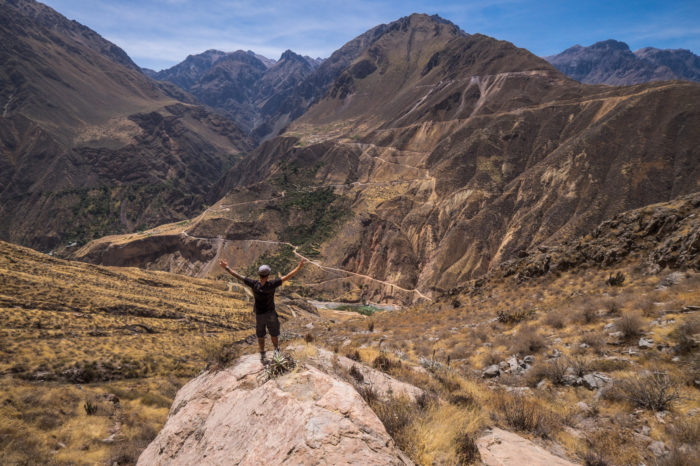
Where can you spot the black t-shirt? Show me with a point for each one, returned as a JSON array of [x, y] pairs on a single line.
[[264, 294]]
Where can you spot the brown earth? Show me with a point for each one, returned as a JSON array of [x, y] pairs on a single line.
[[434, 157], [88, 144]]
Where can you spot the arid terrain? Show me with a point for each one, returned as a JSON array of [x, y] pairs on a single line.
[[519, 247]]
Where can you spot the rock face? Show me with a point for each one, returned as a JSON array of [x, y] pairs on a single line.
[[88, 144], [435, 156], [612, 62], [303, 417], [248, 88], [500, 447]]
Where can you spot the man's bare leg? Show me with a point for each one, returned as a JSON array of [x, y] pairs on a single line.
[[275, 342]]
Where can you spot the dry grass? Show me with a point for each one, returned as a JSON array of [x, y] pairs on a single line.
[[73, 334]]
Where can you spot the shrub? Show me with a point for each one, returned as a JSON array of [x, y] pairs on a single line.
[[370, 326], [219, 353], [397, 414], [354, 355], [513, 317], [90, 408], [686, 335], [308, 338], [630, 324], [527, 340], [467, 451], [524, 414], [554, 370], [612, 306], [555, 319], [383, 363], [356, 374], [587, 314], [279, 364], [615, 280], [655, 391], [684, 431]]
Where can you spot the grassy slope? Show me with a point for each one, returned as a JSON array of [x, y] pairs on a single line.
[[72, 333]]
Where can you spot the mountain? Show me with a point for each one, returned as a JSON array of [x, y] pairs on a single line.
[[612, 62], [243, 85], [89, 144], [433, 157]]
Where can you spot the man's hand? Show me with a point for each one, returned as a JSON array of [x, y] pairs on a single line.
[[223, 264]]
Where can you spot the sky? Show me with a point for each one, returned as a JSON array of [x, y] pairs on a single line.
[[158, 34]]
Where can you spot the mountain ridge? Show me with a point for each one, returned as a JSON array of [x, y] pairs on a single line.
[[612, 62]]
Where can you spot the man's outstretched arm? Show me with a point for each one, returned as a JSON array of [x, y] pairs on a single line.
[[294, 272], [224, 265]]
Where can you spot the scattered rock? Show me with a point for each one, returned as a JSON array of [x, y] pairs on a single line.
[[491, 372], [658, 448], [529, 359], [646, 343], [500, 447], [583, 406], [673, 279], [595, 380]]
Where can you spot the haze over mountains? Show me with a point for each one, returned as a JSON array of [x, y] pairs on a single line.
[[433, 156], [612, 62]]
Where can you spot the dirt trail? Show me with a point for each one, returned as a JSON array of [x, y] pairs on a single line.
[[295, 248]]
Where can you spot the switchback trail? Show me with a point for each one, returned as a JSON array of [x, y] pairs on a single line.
[[295, 248]]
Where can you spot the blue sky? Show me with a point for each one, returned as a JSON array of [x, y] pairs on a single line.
[[160, 33]]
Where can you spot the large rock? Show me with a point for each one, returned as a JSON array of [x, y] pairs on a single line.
[[500, 448], [304, 417]]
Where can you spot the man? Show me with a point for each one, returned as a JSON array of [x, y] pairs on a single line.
[[264, 305]]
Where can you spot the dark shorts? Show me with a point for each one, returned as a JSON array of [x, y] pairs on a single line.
[[267, 321]]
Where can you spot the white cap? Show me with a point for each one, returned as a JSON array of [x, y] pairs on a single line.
[[264, 270]]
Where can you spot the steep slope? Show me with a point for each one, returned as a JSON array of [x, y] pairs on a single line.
[[90, 145], [243, 85], [612, 62], [433, 157]]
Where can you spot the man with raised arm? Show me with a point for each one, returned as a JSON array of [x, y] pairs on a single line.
[[264, 305]]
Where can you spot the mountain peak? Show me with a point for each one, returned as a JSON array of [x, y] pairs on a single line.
[[611, 44]]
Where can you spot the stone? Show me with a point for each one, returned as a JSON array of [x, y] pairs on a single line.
[[513, 364], [554, 354], [609, 326], [235, 416], [529, 359], [595, 381], [499, 447], [658, 448], [583, 406], [672, 279], [491, 372], [646, 343]]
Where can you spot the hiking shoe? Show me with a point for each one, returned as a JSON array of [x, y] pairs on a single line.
[[262, 359]]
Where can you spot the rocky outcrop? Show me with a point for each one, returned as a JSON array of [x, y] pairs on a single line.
[[236, 416], [499, 447]]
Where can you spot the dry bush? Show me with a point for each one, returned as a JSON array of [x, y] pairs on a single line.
[[645, 305], [356, 374], [219, 353], [684, 431], [555, 319], [490, 358], [617, 279], [525, 414], [587, 314], [528, 340], [384, 363], [397, 414], [514, 316], [680, 456], [467, 451], [463, 399], [609, 365], [595, 340], [686, 335], [655, 390], [630, 324], [580, 365], [612, 306], [354, 355], [554, 370]]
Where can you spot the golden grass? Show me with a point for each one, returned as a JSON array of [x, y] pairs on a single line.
[[73, 332]]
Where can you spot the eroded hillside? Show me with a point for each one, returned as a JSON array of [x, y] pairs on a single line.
[[434, 156]]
